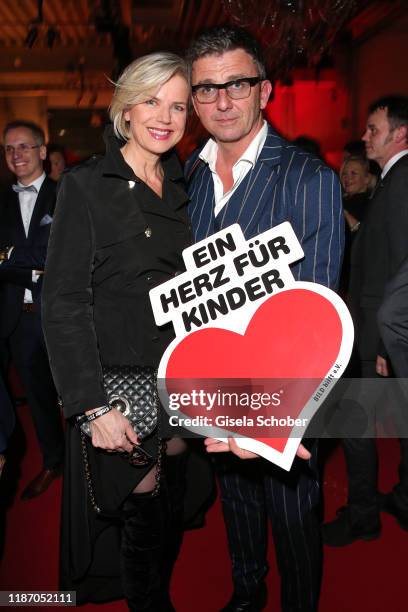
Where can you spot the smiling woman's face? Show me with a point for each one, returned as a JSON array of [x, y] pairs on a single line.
[[354, 177], [158, 124]]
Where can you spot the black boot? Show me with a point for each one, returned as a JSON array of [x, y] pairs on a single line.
[[172, 492], [151, 540], [141, 553]]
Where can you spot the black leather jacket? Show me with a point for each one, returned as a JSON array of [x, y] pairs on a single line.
[[112, 240]]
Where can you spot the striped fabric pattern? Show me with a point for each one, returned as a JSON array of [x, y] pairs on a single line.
[[286, 184]]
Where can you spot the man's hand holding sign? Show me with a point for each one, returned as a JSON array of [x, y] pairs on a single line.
[[239, 371], [217, 446]]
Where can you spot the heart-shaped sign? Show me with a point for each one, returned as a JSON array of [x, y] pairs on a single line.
[[255, 351], [292, 350]]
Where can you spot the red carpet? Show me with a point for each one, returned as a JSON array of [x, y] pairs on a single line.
[[364, 577]]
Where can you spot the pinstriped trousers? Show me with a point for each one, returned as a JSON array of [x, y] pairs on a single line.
[[253, 491]]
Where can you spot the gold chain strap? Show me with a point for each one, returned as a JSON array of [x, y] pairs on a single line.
[[88, 475], [161, 444]]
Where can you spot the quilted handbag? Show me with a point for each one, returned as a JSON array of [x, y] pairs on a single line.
[[133, 391]]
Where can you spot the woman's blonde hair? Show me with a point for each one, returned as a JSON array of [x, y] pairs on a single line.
[[139, 82]]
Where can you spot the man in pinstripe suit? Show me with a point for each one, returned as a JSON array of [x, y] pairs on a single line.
[[247, 174]]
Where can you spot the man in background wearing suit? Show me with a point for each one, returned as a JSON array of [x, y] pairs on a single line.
[[247, 174], [380, 248], [393, 325], [393, 321], [26, 211]]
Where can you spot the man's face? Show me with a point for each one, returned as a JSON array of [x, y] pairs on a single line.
[[381, 141], [227, 120], [57, 164], [25, 162]]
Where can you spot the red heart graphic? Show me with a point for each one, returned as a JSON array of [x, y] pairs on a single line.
[[294, 335]]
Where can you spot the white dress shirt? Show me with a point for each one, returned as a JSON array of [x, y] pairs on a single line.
[[239, 170], [393, 161], [27, 200]]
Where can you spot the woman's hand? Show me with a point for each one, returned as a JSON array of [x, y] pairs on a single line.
[[351, 220], [113, 432], [216, 446]]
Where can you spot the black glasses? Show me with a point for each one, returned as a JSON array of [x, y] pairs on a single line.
[[24, 147], [205, 93]]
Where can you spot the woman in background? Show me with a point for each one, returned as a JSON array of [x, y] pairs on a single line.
[[355, 179]]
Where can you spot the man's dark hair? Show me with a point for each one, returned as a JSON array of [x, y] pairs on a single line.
[[310, 145], [355, 148], [220, 39], [36, 130], [56, 148], [396, 107]]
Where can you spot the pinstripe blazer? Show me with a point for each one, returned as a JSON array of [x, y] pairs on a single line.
[[286, 184]]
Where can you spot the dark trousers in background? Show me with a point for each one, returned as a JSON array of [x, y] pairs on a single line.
[[28, 352], [7, 417], [254, 491], [362, 472]]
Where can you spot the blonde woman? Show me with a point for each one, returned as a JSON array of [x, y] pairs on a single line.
[[355, 179], [120, 227]]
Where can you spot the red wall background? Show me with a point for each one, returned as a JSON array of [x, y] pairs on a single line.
[[332, 108]]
